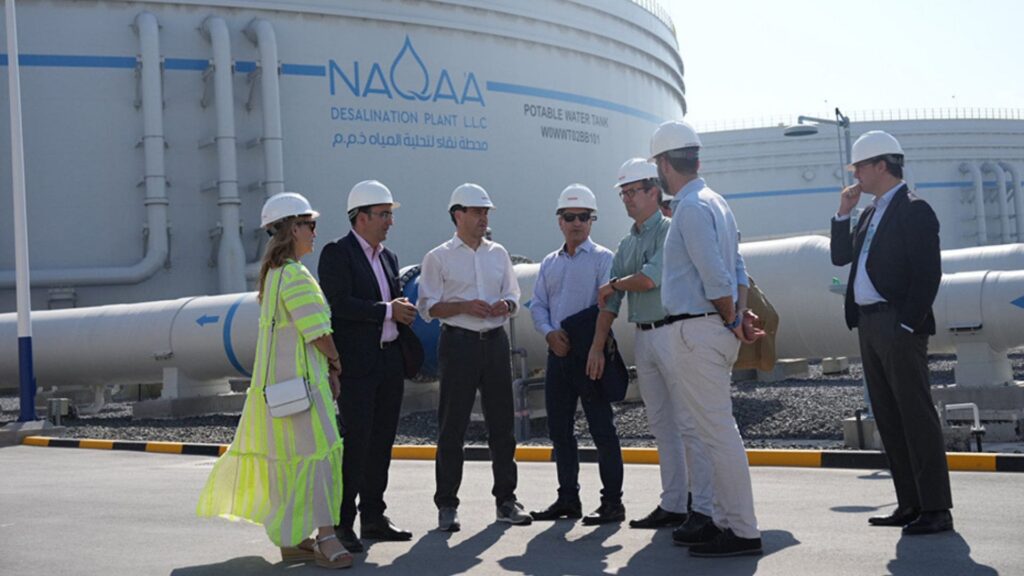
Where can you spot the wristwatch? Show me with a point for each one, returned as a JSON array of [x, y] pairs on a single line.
[[735, 322], [612, 283]]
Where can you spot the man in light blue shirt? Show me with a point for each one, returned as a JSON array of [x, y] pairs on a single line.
[[703, 289], [567, 283]]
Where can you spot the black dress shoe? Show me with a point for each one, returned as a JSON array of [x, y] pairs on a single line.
[[384, 529], [606, 513], [698, 529], [930, 523], [899, 517], [560, 509], [347, 537], [728, 544], [659, 518]]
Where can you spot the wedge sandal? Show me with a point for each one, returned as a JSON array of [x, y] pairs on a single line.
[[338, 560]]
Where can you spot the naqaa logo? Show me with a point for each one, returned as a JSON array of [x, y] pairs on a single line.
[[407, 77]]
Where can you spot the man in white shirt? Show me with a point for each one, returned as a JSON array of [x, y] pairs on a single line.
[[468, 284]]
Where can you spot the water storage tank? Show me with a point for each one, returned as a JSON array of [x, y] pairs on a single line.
[[969, 169], [161, 135]]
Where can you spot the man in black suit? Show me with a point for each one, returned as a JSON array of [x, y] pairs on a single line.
[[894, 278], [359, 277]]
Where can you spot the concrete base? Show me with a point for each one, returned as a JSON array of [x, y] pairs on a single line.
[[13, 433], [1000, 408], [838, 365], [870, 438], [785, 369], [194, 406]]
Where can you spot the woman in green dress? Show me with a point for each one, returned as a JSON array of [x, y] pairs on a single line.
[[285, 473]]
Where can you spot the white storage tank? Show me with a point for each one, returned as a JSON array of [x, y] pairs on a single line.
[[312, 96], [969, 169]]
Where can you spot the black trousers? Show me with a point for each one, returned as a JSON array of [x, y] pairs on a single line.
[[468, 363], [896, 371], [370, 407]]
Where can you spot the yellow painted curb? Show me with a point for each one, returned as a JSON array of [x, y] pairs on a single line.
[[164, 447], [533, 454], [36, 441], [801, 458], [640, 455], [413, 452], [97, 444], [963, 461]]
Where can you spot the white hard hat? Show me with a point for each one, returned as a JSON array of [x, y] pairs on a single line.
[[577, 196], [872, 144], [285, 205], [635, 170], [470, 196], [370, 193], [673, 135]]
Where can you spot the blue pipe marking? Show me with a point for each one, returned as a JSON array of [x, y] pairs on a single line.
[[186, 64], [27, 380], [570, 97], [303, 70], [207, 319], [1019, 302], [72, 61], [245, 66], [229, 350]]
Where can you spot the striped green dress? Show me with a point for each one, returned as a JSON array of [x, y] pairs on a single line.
[[283, 473]]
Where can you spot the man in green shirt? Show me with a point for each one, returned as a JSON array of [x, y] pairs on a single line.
[[636, 271]]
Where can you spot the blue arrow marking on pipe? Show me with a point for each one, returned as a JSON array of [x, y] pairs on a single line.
[[207, 319], [229, 350], [1019, 302]]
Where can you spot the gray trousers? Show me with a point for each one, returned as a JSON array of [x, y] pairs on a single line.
[[896, 371]]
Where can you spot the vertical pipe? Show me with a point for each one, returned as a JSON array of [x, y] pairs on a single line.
[[230, 253], [261, 33], [1018, 199], [1003, 200], [979, 199], [26, 372]]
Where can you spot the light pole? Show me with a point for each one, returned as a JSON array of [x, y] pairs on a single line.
[[26, 373], [842, 124]]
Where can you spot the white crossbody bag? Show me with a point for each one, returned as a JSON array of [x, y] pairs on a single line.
[[288, 397]]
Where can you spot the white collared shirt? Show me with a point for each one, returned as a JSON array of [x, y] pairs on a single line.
[[864, 291], [454, 272]]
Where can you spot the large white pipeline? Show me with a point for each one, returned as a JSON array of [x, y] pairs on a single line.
[[157, 245], [210, 338], [1002, 199], [230, 252]]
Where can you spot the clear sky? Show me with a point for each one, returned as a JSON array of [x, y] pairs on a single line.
[[748, 59]]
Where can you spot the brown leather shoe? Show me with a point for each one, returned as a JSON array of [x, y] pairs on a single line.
[[899, 517]]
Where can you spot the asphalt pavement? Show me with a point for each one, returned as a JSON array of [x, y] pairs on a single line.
[[99, 512]]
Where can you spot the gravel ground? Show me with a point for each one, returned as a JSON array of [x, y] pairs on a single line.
[[790, 413]]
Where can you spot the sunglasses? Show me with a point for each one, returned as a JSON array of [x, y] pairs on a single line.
[[584, 217], [310, 223]]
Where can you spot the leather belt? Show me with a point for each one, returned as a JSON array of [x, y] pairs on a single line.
[[670, 319], [479, 335], [872, 308]]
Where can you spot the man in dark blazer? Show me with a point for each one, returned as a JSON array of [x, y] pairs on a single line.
[[894, 277], [359, 277]]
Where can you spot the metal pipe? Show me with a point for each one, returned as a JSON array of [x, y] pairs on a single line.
[[261, 33], [1003, 198], [26, 372], [979, 199], [1018, 198], [157, 245], [230, 252]]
